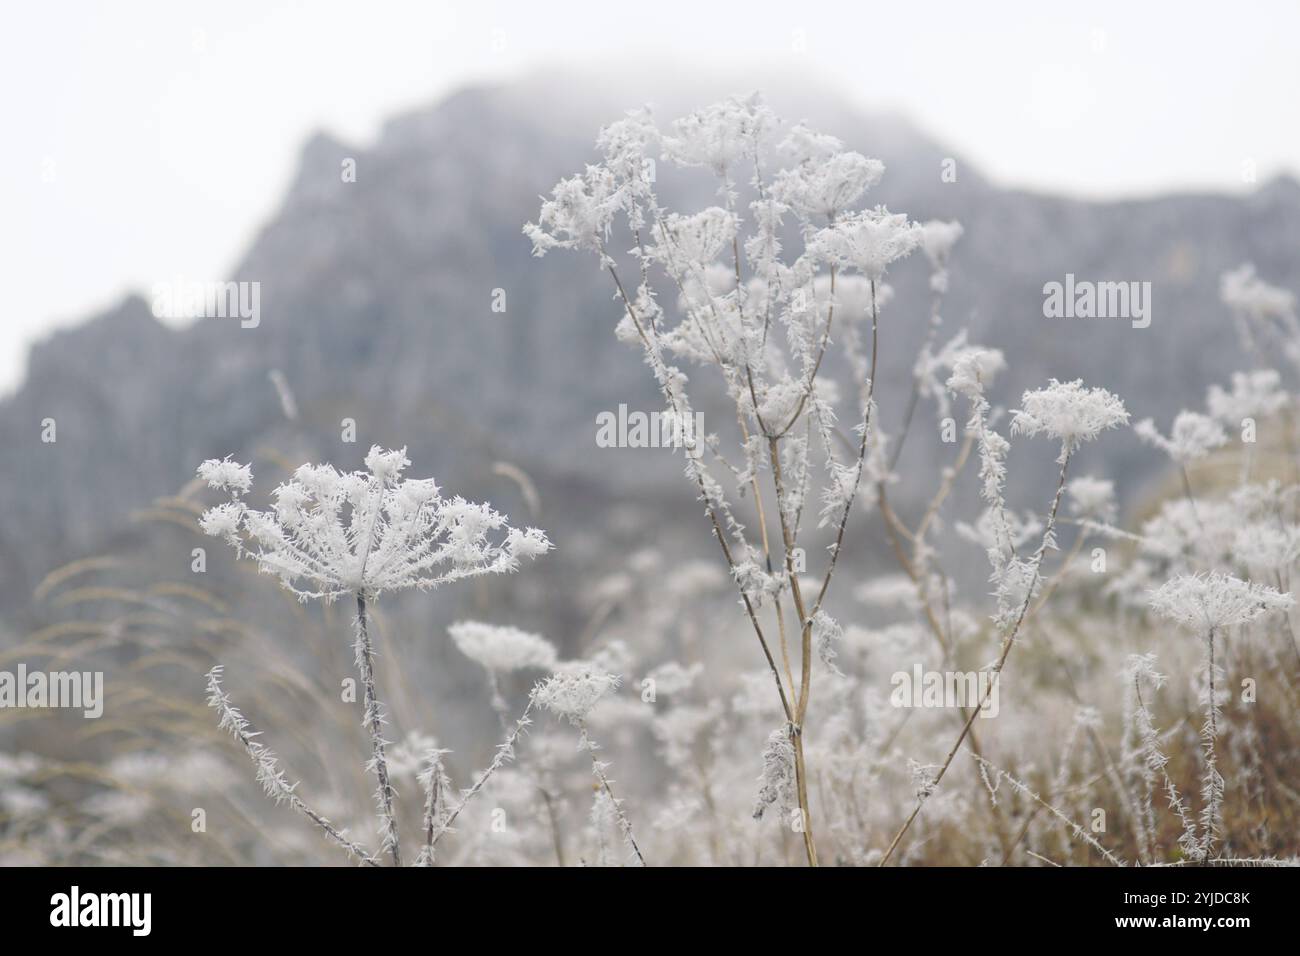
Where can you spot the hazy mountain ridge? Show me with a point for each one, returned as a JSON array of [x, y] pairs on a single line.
[[376, 303]]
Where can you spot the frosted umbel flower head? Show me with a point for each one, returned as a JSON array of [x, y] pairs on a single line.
[[1192, 437], [1253, 394], [331, 533], [1092, 498], [1215, 600], [1069, 413], [579, 213], [1209, 603], [227, 475], [502, 649], [938, 238], [1243, 291], [827, 179], [571, 694], [575, 690], [868, 241], [719, 136], [973, 370]]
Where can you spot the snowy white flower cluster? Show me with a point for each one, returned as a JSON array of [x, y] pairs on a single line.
[[573, 690], [868, 242], [331, 533], [1256, 394], [1092, 498], [1243, 291], [765, 313], [1192, 438], [502, 649], [1068, 412], [1215, 600]]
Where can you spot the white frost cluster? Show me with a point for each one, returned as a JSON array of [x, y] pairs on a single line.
[[1192, 438], [1254, 395], [579, 213], [575, 689], [1215, 600], [1247, 294], [673, 678], [868, 241], [1267, 546], [227, 475], [827, 180], [1069, 413], [719, 136], [502, 649], [937, 240], [776, 786], [968, 367], [1092, 498], [973, 371], [330, 533]]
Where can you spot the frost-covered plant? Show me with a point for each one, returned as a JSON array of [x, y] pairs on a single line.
[[1210, 604], [777, 784], [331, 533], [1255, 394], [767, 291], [502, 650], [1069, 413], [1092, 498], [764, 318], [764, 315], [269, 773], [570, 694], [1192, 438], [1215, 601], [573, 691], [1261, 309]]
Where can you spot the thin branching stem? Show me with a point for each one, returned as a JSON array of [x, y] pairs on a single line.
[[1007, 643], [374, 723]]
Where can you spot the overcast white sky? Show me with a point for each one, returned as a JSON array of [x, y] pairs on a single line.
[[145, 141]]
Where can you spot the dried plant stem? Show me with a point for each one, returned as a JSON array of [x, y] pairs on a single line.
[[505, 751], [931, 334], [1075, 828], [1212, 814], [804, 616], [1007, 644], [893, 527], [436, 786], [805, 673], [767, 555], [1055, 581], [946, 486], [649, 340], [598, 771], [532, 772], [557, 838], [374, 723], [269, 773], [652, 350]]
